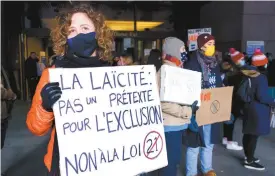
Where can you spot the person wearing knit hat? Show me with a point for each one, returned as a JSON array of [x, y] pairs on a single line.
[[237, 57], [256, 118], [206, 43], [174, 50], [233, 78], [259, 59], [176, 117], [172, 46], [200, 142]]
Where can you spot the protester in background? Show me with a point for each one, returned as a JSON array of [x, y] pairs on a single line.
[[155, 58], [234, 80], [115, 59], [125, 59], [7, 99], [256, 120], [84, 40], [201, 141], [260, 61], [40, 68], [176, 117], [31, 73], [237, 57]]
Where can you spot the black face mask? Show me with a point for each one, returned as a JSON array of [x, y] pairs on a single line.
[[82, 45]]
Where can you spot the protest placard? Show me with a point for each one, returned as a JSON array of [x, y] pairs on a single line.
[[179, 85], [109, 121], [215, 105], [193, 35]]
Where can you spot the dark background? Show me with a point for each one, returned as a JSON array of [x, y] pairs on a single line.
[[185, 15]]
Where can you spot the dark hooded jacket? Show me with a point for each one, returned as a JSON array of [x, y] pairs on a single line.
[[256, 119]]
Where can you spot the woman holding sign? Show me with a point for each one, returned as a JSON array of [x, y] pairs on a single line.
[[200, 141], [176, 117], [82, 38]]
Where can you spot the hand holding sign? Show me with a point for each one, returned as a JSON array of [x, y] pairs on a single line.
[[50, 94], [194, 107]]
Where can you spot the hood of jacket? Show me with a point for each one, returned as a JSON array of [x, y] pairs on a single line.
[[250, 71]]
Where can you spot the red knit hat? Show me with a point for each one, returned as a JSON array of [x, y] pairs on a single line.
[[203, 39], [235, 55], [258, 58]]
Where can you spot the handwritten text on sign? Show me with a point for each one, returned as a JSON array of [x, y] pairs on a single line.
[[109, 118], [215, 106], [179, 85]]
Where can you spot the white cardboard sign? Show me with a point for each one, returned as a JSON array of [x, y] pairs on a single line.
[[179, 85], [109, 121]]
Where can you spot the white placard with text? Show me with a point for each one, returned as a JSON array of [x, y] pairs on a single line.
[[179, 85], [109, 121]]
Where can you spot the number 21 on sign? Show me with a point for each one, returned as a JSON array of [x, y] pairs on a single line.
[[153, 144]]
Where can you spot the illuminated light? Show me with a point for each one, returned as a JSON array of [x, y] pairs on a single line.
[[113, 24], [42, 54], [129, 25]]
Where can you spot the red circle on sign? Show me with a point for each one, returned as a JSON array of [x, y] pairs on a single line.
[[146, 154]]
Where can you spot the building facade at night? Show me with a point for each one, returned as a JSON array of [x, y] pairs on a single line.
[[235, 23]]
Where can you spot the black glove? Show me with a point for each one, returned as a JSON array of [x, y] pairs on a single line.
[[194, 107], [50, 93], [193, 126]]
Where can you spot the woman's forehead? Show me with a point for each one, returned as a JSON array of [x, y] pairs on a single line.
[[211, 42], [80, 18]]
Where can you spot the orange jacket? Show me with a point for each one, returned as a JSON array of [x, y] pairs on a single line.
[[40, 121]]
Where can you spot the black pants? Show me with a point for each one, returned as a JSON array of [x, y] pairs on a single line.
[[249, 144], [228, 131], [4, 127], [32, 83]]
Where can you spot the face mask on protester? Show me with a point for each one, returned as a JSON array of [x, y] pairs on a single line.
[[209, 51], [82, 45], [242, 62]]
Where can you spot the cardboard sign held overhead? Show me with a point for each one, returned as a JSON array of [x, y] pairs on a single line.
[[179, 85], [215, 106]]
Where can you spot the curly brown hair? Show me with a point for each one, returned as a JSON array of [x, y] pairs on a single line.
[[104, 35]]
